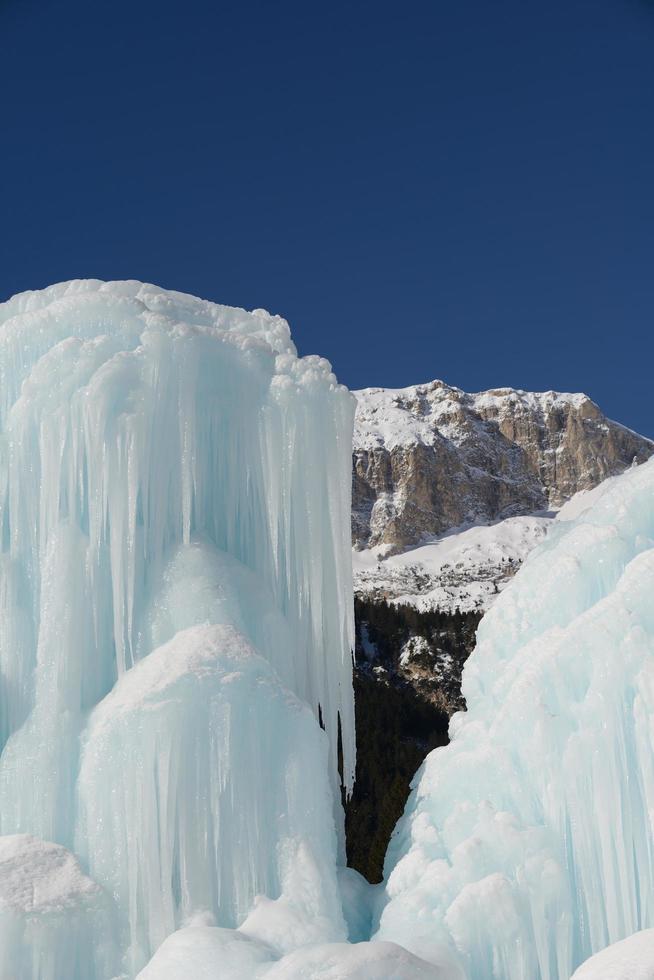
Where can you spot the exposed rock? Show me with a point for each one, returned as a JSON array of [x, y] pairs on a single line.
[[432, 457]]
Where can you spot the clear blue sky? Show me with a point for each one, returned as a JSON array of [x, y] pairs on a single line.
[[458, 189]]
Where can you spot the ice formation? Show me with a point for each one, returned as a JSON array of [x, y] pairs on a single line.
[[175, 611], [54, 921], [630, 959], [528, 842], [208, 953], [208, 754]]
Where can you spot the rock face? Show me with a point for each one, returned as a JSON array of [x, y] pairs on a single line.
[[432, 457]]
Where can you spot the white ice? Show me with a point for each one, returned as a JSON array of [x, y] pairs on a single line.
[[175, 613], [528, 842], [199, 749], [133, 420]]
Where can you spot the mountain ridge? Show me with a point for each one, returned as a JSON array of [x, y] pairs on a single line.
[[430, 457]]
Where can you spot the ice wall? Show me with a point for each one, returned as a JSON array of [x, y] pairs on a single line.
[[528, 842], [167, 462]]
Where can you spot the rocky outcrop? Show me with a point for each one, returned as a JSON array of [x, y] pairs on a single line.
[[432, 457]]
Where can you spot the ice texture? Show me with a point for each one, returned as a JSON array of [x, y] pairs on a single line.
[[208, 755], [528, 843], [54, 921], [133, 420], [175, 610]]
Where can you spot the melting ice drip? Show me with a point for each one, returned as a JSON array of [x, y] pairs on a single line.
[[167, 463]]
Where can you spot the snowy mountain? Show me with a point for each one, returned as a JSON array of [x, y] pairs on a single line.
[[451, 490], [431, 457]]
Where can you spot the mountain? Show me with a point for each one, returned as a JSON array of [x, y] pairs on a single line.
[[431, 457]]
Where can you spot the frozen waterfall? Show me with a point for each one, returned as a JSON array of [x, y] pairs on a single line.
[[175, 617], [528, 842]]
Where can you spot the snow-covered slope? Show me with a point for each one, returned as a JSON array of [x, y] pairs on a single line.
[[464, 569]]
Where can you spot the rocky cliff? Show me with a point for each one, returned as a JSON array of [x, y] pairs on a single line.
[[432, 457]]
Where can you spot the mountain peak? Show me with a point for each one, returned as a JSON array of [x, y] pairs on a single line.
[[431, 456]]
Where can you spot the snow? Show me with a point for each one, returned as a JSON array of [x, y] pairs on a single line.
[[527, 843], [175, 617], [467, 567], [630, 959], [54, 921], [415, 647], [464, 568], [360, 961], [397, 417], [36, 876], [206, 953]]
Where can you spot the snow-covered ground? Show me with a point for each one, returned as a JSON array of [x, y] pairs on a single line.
[[467, 567]]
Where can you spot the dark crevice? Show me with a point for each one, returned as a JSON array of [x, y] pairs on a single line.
[[403, 705]]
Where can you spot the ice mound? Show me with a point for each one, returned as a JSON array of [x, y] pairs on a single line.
[[54, 921], [208, 953], [176, 617], [172, 823], [527, 844], [630, 959]]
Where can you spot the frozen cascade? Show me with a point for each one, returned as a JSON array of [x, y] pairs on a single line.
[[167, 463], [528, 843], [134, 419], [179, 752]]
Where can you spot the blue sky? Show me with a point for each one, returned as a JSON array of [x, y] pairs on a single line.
[[461, 190]]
